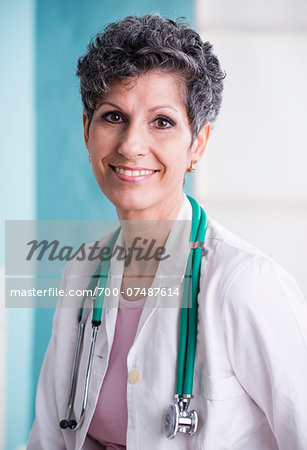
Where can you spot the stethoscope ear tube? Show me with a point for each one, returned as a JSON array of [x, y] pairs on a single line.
[[101, 273], [67, 422]]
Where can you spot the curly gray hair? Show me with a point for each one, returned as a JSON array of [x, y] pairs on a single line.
[[135, 45]]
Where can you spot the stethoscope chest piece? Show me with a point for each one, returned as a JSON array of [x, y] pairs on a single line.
[[177, 418]]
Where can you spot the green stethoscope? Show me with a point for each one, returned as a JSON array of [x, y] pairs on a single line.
[[177, 418]]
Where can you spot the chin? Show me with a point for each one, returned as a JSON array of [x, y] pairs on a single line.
[[133, 206], [131, 202]]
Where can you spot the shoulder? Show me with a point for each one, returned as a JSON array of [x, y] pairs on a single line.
[[219, 238], [240, 272], [266, 295], [225, 256]]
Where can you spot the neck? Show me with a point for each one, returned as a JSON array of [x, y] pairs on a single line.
[[145, 240], [168, 210]]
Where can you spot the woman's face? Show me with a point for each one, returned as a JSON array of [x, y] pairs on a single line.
[[139, 142]]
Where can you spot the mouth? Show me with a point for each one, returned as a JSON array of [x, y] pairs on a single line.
[[132, 174]]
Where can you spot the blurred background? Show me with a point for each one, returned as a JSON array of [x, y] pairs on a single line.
[[252, 178]]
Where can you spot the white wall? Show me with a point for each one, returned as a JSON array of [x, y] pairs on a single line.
[[253, 176]]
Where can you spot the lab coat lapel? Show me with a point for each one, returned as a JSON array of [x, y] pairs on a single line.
[[102, 351], [171, 271]]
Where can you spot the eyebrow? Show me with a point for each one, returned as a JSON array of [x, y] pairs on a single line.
[[109, 103], [151, 109], [163, 106]]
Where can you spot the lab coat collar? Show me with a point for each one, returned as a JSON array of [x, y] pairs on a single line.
[[170, 271], [169, 275]]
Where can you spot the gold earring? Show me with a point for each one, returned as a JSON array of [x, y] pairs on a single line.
[[191, 169], [89, 159]]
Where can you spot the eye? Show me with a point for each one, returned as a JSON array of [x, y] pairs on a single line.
[[113, 117], [164, 122]]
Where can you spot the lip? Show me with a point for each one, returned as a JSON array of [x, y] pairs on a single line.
[[130, 167], [131, 179]]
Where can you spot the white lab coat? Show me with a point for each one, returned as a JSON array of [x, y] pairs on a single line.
[[250, 378]]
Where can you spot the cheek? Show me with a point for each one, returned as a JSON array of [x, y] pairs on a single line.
[[99, 143], [97, 174], [177, 170], [183, 160]]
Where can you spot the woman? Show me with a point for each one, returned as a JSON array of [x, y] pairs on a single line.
[[151, 89]]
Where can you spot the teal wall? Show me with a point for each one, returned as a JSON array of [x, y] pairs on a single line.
[[58, 31], [17, 187], [66, 186]]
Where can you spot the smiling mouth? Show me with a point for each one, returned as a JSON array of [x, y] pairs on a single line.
[[132, 172]]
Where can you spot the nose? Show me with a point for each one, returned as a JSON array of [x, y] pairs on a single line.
[[134, 141]]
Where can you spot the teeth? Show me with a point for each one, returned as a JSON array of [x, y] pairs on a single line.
[[134, 173]]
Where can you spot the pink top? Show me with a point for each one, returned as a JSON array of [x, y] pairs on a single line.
[[109, 422]]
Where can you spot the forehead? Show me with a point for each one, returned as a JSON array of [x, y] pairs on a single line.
[[153, 86]]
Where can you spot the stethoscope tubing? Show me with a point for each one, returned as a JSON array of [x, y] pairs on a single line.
[[105, 266], [193, 311], [188, 315], [188, 319]]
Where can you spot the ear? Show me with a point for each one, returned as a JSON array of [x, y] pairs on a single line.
[[200, 142], [85, 128]]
